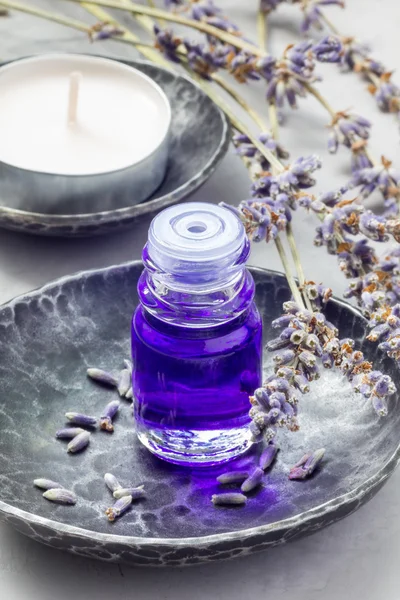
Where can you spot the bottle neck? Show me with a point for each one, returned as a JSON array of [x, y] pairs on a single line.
[[197, 298]]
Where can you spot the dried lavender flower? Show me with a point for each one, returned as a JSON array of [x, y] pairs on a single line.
[[102, 377], [124, 382], [135, 493], [67, 433], [46, 484], [232, 477], [254, 480], [230, 498], [307, 464], [108, 414], [60, 496], [268, 456], [119, 508], [129, 394], [112, 482], [81, 420], [78, 443]]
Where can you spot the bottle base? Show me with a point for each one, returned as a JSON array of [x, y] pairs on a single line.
[[197, 448]]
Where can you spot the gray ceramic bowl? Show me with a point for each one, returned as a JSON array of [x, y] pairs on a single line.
[[198, 140], [50, 336]]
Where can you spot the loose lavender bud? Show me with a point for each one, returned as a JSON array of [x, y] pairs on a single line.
[[254, 480], [232, 477], [68, 433], [268, 456], [60, 496], [119, 508], [135, 493], [81, 420], [307, 465], [80, 442], [124, 382], [108, 414], [228, 499], [129, 394], [112, 482], [46, 484], [102, 377]]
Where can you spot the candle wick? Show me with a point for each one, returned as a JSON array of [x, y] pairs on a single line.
[[73, 94]]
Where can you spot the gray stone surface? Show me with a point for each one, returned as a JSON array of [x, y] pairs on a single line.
[[358, 556]]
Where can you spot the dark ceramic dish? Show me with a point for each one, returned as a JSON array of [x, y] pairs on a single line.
[[50, 336], [199, 139]]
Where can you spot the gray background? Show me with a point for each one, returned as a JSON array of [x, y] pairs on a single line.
[[358, 556]]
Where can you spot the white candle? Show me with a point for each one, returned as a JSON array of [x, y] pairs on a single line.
[[119, 115]]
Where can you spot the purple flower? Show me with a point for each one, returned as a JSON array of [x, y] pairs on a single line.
[[167, 43], [383, 178], [244, 147], [329, 49], [347, 129], [312, 15], [387, 94]]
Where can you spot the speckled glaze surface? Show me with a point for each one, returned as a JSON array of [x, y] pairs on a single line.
[[47, 340], [198, 140]]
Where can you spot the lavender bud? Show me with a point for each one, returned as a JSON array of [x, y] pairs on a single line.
[[268, 456], [108, 414], [228, 499], [129, 394], [112, 482], [281, 321], [307, 465], [308, 359], [262, 397], [232, 477], [276, 344], [379, 405], [298, 336], [284, 357], [255, 432], [301, 383], [253, 480], [60, 496], [46, 484], [68, 433], [80, 442], [119, 508], [135, 493], [124, 382], [81, 420], [102, 377], [269, 434]]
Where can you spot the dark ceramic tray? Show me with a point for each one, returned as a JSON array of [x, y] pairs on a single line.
[[49, 337], [199, 141]]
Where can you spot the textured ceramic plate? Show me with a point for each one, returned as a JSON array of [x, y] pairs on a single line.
[[50, 336], [199, 141]]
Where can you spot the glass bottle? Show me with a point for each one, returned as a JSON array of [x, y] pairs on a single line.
[[196, 337]]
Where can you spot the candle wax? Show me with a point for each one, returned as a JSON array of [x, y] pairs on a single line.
[[122, 116]]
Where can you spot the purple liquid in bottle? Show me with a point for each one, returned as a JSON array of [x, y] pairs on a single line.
[[196, 337]]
